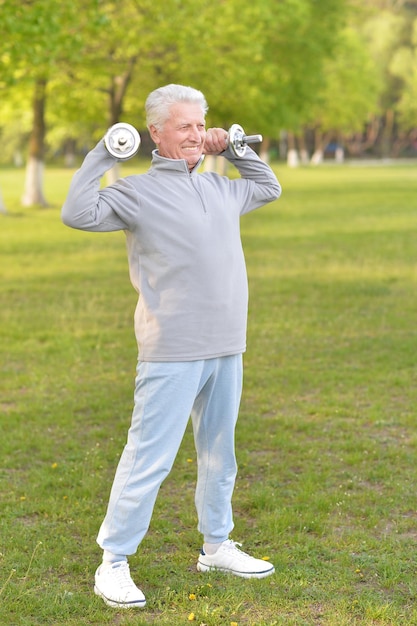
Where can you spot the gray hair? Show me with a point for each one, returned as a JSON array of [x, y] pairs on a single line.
[[159, 102]]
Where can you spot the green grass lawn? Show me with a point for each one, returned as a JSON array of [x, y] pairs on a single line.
[[326, 440]]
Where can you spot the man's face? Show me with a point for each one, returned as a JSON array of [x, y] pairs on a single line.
[[183, 134]]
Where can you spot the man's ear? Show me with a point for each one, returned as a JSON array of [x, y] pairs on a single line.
[[153, 131]]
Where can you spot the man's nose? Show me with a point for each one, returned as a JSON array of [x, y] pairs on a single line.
[[195, 134]]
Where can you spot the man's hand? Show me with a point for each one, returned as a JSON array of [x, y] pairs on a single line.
[[216, 141]]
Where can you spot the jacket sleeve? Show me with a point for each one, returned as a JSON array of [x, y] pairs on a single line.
[[264, 185], [88, 208]]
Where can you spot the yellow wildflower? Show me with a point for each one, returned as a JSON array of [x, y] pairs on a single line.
[[192, 596], [191, 617]]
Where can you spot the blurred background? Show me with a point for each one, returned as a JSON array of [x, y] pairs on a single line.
[[320, 79]]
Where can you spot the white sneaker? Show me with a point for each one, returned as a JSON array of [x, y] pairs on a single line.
[[114, 584], [230, 559]]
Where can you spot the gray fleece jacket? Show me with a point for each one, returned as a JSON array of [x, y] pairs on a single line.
[[184, 247]]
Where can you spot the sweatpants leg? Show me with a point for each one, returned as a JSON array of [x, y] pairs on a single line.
[[214, 419], [164, 396]]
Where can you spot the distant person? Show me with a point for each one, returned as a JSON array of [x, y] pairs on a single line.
[[187, 264]]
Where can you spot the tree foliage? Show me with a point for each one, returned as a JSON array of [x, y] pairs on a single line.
[[330, 65]]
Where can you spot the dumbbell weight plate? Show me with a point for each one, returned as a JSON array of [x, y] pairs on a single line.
[[238, 141], [122, 141], [236, 134]]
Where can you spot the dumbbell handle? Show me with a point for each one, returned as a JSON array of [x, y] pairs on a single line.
[[251, 139]]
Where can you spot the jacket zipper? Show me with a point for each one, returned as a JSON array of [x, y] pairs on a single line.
[[199, 195]]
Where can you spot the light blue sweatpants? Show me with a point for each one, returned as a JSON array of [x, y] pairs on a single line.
[[166, 395]]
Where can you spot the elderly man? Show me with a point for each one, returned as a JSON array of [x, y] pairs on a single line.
[[187, 264]]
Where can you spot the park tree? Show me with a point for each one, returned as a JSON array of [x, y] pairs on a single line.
[[384, 32], [257, 62], [267, 65], [403, 66], [360, 90], [275, 71], [348, 95], [39, 40], [269, 60], [134, 51], [307, 38], [387, 28], [250, 61]]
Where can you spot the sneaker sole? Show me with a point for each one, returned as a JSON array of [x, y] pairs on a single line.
[[209, 568], [119, 605]]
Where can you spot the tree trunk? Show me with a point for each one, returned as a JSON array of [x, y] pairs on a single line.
[[303, 149], [117, 93], [113, 174], [264, 150], [69, 155], [214, 163], [33, 193], [357, 143], [318, 154], [387, 135], [292, 154], [2, 205], [209, 163]]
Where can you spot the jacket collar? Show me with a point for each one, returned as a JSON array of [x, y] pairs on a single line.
[[179, 166]]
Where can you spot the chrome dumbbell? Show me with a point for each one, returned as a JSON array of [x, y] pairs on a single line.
[[122, 141], [238, 141]]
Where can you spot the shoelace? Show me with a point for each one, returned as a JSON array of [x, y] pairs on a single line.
[[122, 573], [232, 546]]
